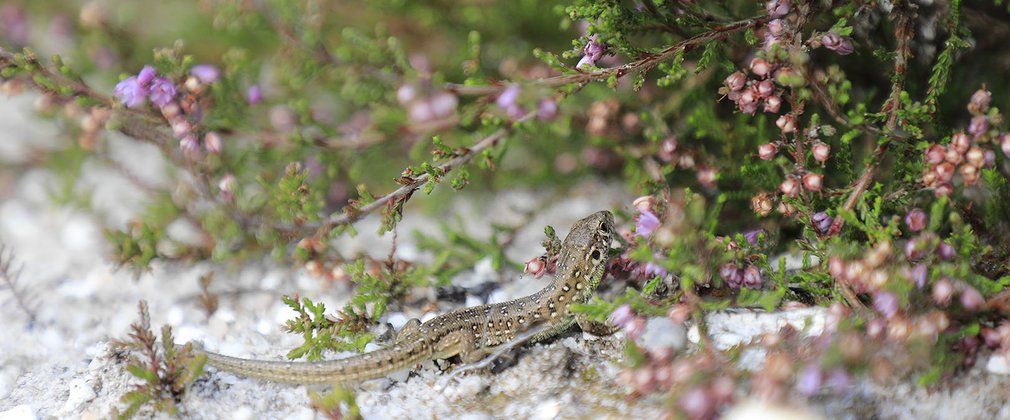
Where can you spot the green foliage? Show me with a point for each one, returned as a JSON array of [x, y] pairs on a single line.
[[166, 372], [322, 334]]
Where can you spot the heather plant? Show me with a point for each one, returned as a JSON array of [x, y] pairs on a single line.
[[865, 137]]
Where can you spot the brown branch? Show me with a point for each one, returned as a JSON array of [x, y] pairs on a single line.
[[635, 67], [903, 32]]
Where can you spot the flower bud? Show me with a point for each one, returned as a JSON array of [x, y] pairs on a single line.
[[960, 142], [776, 27], [1004, 144], [732, 275], [752, 277], [813, 182], [760, 67], [953, 156], [935, 154], [736, 81], [773, 104], [945, 251], [765, 88], [821, 221], [645, 203], [778, 8], [786, 123], [979, 102], [975, 156], [837, 43], [790, 187], [761, 204], [916, 220], [944, 172], [821, 151], [969, 173], [943, 290], [767, 151], [212, 141], [971, 299], [943, 189], [978, 125]]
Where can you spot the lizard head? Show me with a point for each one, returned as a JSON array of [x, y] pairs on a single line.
[[584, 254]]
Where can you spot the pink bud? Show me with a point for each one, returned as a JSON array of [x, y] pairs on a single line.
[[227, 187], [813, 182], [975, 156], [537, 267], [772, 104], [935, 153], [960, 142], [944, 172], [776, 27], [212, 141], [644, 203], [778, 8], [736, 81], [837, 43], [707, 177], [790, 187], [953, 156], [916, 220], [1004, 144], [978, 125], [980, 100], [943, 290], [767, 151], [821, 151], [969, 173], [760, 67], [971, 299], [943, 189], [668, 149], [988, 159], [765, 88], [786, 123]]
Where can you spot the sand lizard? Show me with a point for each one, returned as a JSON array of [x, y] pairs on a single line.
[[474, 332]]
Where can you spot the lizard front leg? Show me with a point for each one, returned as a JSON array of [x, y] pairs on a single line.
[[594, 327]]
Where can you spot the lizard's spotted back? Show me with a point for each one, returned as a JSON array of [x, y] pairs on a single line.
[[472, 332]]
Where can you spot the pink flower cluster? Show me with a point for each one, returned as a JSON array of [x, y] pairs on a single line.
[[748, 94], [427, 110], [965, 154]]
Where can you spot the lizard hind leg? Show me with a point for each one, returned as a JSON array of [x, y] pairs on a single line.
[[409, 329]]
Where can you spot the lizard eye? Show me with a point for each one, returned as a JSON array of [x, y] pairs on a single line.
[[595, 255]]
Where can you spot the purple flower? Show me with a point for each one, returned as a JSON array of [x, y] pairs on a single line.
[[837, 43], [162, 91], [971, 299], [652, 270], [547, 110], [647, 222], [732, 275], [916, 220], [778, 8], [593, 51], [978, 125], [508, 97], [697, 404], [886, 303], [752, 277], [809, 380], [205, 72], [752, 236], [621, 316], [838, 380], [146, 75], [254, 95], [945, 251], [130, 92], [821, 221], [920, 273]]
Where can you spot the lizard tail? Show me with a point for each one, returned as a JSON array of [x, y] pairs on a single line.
[[375, 364]]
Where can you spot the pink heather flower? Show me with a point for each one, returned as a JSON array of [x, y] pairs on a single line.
[[837, 43], [668, 149], [508, 97], [206, 73], [697, 404], [767, 151], [978, 125], [515, 112], [776, 27], [760, 67], [821, 152], [212, 141], [975, 156], [943, 290], [945, 251], [752, 277], [227, 187], [790, 187], [732, 275], [644, 203], [547, 110], [1004, 144], [886, 303], [916, 220], [652, 269], [935, 154], [979, 102], [838, 380], [443, 104], [647, 223], [735, 81], [254, 95], [786, 123], [971, 299], [960, 142], [537, 267], [146, 75], [778, 8], [821, 221], [752, 236], [809, 380], [130, 92], [707, 177], [920, 273], [772, 104], [765, 88], [813, 182], [593, 51], [621, 316], [162, 91]]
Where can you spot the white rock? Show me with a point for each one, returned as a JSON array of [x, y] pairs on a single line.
[[397, 320], [759, 410], [547, 410], [998, 364], [662, 333], [80, 393], [18, 412], [472, 300]]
